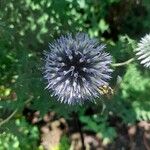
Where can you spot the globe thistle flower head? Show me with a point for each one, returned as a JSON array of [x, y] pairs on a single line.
[[143, 51], [75, 68]]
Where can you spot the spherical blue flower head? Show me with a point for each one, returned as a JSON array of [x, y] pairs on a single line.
[[143, 51], [75, 68]]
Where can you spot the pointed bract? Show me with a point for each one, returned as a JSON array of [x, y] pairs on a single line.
[[143, 51]]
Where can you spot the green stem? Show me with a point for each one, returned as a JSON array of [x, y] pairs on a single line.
[[8, 118], [123, 63], [77, 121]]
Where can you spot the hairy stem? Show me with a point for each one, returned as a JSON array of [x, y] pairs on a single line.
[[123, 63], [8, 118]]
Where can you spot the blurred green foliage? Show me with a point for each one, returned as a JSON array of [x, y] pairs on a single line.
[[64, 144], [99, 125], [26, 27], [9, 141]]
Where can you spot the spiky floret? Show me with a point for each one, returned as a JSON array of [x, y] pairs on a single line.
[[143, 51], [76, 66]]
